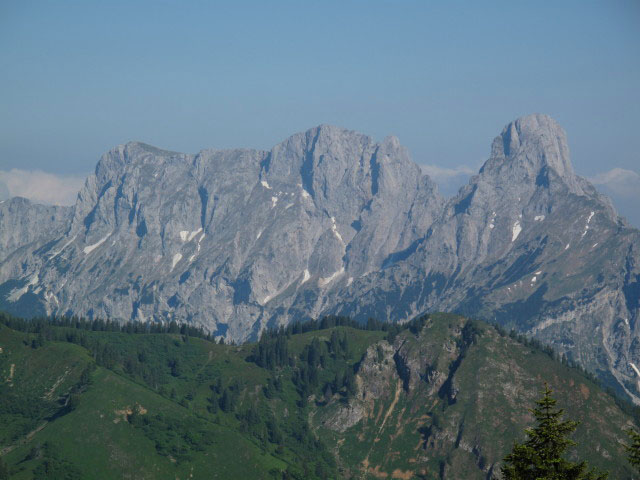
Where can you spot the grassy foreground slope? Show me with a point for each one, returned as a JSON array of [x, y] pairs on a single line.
[[443, 397], [99, 437]]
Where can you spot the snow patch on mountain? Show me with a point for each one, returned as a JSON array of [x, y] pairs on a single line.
[[515, 231], [87, 250]]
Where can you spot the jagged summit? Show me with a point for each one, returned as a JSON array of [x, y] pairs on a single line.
[[534, 149], [331, 221], [135, 149], [327, 132], [537, 131], [325, 142], [142, 146]]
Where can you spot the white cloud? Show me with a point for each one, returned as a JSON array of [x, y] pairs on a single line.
[[623, 186], [40, 187], [623, 182], [449, 179], [440, 174]]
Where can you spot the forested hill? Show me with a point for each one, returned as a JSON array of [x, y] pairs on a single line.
[[441, 397]]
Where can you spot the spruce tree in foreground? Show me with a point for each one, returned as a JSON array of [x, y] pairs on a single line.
[[541, 457], [633, 450]]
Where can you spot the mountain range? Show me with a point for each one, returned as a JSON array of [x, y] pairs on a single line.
[[331, 222]]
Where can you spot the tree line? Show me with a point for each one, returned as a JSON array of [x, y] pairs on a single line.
[[42, 324]]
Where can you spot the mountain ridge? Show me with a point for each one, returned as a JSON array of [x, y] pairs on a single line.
[[330, 221], [439, 397]]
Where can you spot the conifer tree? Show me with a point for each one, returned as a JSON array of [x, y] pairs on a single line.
[[334, 344], [226, 402], [541, 457], [633, 450], [328, 393], [350, 382]]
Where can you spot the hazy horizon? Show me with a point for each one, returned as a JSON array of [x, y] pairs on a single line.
[[80, 78]]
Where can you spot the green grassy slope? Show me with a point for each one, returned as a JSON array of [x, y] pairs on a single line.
[[99, 438], [445, 399]]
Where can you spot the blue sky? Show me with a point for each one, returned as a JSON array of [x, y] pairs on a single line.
[[445, 77]]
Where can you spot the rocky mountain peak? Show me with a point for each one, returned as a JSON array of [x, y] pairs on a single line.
[[331, 221], [341, 170], [534, 148], [115, 160], [537, 130], [302, 151], [330, 144]]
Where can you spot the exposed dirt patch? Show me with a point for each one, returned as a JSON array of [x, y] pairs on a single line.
[[56, 384], [400, 415], [25, 439], [380, 410], [404, 475], [399, 425], [377, 472], [393, 405], [584, 390], [12, 371], [122, 415]]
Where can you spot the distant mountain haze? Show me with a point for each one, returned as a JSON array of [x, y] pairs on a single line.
[[329, 221]]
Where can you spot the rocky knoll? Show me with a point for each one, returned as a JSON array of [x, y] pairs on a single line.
[[446, 401], [329, 221]]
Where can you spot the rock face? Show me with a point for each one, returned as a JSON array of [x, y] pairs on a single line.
[[529, 245], [457, 390], [25, 225], [330, 221], [225, 239]]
